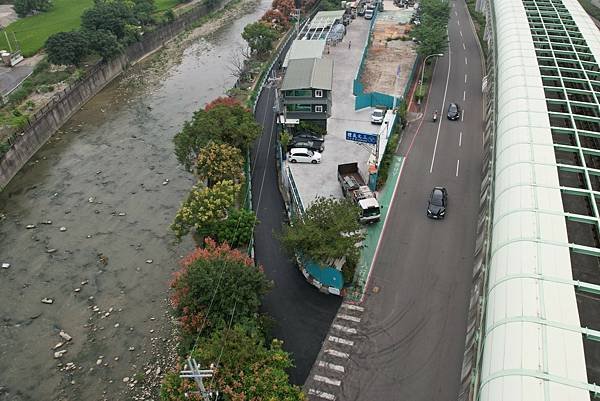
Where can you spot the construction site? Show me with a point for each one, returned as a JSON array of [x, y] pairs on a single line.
[[392, 52]]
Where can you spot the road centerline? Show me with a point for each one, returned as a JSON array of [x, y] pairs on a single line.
[[437, 136], [457, 166], [460, 139]]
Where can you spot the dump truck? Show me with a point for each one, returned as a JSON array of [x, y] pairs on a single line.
[[355, 189]]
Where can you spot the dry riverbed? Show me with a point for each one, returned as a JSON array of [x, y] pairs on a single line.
[[85, 248]]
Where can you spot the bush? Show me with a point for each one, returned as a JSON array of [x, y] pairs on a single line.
[[236, 230]]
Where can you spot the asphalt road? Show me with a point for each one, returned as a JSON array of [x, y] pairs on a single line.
[[410, 341], [302, 315]]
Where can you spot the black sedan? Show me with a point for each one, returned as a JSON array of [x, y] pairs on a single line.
[[438, 200], [314, 145], [453, 111]]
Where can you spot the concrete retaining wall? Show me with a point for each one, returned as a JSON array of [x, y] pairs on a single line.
[[51, 117]]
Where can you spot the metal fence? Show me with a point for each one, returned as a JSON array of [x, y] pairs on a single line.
[[369, 99]]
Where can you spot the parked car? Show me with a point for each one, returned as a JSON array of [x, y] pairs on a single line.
[[377, 115], [453, 111], [303, 155], [308, 136], [315, 146], [438, 201], [361, 11], [368, 14]]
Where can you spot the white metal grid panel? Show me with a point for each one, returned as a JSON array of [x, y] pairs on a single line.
[[527, 317]]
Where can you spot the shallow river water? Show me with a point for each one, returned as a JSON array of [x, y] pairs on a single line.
[[102, 194]]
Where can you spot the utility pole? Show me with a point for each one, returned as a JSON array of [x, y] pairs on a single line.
[[198, 374]]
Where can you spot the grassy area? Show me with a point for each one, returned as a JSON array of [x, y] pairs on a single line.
[[162, 5], [33, 31]]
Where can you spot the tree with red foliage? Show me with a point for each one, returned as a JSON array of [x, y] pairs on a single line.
[[222, 101], [276, 20], [285, 6], [219, 268]]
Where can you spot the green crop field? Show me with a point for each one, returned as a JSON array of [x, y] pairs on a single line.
[[32, 32], [162, 5]]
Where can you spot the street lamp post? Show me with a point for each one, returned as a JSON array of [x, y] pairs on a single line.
[[423, 72]]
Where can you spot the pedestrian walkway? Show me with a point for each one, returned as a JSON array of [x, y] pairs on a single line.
[[328, 372], [374, 233]]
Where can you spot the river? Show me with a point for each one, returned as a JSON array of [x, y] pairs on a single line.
[[101, 195]]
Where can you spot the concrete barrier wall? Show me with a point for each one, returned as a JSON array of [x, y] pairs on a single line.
[[51, 117]]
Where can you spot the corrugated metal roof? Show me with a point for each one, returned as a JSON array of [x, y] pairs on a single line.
[[532, 347], [304, 49], [308, 73]]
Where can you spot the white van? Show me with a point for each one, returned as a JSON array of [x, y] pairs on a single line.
[[368, 13]]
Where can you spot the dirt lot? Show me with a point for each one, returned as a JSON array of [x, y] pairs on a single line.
[[392, 53]]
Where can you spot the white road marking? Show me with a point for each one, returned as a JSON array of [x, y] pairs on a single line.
[[465, 60], [457, 166], [460, 33], [321, 394], [462, 115], [327, 380], [339, 354], [464, 95], [460, 139], [332, 366], [350, 318], [458, 22], [340, 340], [464, 46], [465, 78], [344, 329], [353, 307], [437, 136]]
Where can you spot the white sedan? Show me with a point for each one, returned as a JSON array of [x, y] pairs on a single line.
[[303, 155]]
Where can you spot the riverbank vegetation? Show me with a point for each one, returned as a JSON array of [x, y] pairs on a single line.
[[216, 296]]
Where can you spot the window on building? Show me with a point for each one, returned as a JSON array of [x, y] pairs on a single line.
[[318, 109], [298, 107], [299, 93], [318, 93]]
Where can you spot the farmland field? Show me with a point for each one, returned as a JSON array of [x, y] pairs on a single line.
[[32, 32]]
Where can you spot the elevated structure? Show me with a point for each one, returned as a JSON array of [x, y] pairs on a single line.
[[534, 327]]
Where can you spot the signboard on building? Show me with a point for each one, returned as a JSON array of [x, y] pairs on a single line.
[[362, 137]]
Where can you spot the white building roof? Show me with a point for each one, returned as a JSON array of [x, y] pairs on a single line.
[[304, 49], [533, 342]]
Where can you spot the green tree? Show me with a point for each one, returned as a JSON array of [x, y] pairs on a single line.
[[329, 229], [432, 37], [218, 162], [236, 230], [432, 32], [260, 37], [104, 43], [233, 125], [114, 16], [204, 207], [143, 11], [25, 7], [240, 283], [67, 48], [248, 369]]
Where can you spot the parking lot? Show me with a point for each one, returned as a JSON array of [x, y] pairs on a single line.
[[313, 180]]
